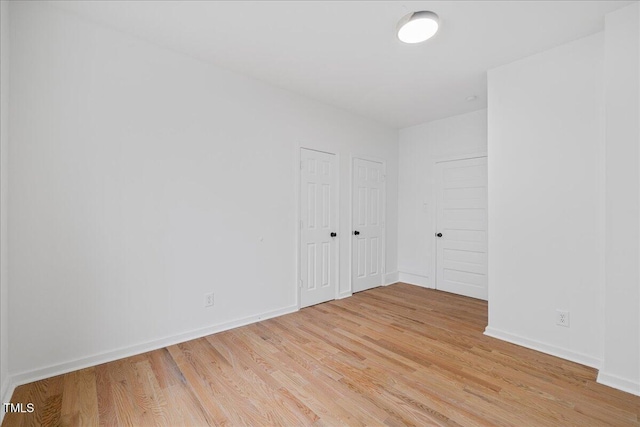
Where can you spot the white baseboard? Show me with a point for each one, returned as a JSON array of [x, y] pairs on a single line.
[[109, 356], [563, 353], [620, 383], [6, 391], [390, 278], [343, 295], [414, 279]]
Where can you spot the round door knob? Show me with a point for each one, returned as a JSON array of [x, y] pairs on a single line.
[[334, 234], [356, 233], [439, 234]]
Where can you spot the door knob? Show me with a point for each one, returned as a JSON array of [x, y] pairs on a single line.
[[334, 234], [439, 234], [356, 233]]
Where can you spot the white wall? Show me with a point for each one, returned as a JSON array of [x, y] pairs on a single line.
[[419, 147], [4, 173], [621, 367], [546, 200], [142, 179]]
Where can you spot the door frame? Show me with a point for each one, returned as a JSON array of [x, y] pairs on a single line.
[[434, 213], [384, 219], [298, 235]]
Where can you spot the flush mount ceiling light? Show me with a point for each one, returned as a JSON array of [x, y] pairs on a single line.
[[417, 27]]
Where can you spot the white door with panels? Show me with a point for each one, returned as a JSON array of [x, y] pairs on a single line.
[[461, 227], [318, 227], [368, 224]]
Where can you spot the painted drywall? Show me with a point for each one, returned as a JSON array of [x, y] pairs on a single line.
[[546, 200], [622, 84], [4, 173], [142, 179], [419, 147]]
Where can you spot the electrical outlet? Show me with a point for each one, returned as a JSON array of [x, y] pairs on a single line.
[[562, 318], [208, 300]]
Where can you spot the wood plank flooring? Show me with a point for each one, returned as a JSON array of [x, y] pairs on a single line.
[[398, 355]]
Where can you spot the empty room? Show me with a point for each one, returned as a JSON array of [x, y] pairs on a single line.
[[328, 213]]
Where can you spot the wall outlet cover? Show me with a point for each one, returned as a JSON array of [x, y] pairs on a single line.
[[208, 300], [562, 318]]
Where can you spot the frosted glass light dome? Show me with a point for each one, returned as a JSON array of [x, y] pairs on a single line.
[[417, 27]]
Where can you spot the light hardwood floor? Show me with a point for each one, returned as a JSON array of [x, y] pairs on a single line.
[[398, 355]]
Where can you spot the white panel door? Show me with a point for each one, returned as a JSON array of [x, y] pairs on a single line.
[[461, 229], [368, 224], [318, 224]]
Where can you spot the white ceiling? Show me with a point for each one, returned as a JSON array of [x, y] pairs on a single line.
[[345, 53]]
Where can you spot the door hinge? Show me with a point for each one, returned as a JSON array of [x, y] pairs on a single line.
[[300, 283], [301, 164], [301, 224]]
